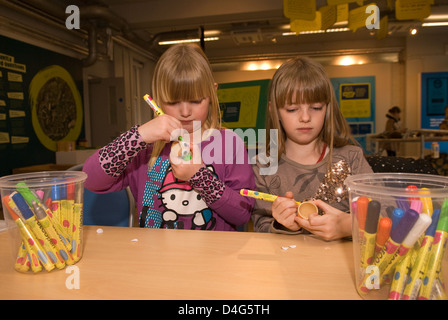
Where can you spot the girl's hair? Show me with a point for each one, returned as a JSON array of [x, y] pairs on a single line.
[[183, 73], [395, 109], [308, 82]]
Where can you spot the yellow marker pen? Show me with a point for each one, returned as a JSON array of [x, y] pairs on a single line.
[[32, 246], [77, 224], [186, 154], [426, 202], [18, 205], [62, 252], [22, 260]]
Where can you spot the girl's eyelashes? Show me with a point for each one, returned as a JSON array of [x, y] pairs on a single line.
[[198, 101], [315, 107]]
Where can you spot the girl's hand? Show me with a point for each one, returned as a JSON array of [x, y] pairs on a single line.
[[334, 224], [185, 169], [284, 210], [159, 128]]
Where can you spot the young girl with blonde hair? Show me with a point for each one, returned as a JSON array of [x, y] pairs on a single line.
[[171, 192], [316, 152]]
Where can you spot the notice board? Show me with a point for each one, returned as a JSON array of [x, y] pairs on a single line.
[[40, 103]]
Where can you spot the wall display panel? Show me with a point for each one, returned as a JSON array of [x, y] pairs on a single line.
[[40, 103]]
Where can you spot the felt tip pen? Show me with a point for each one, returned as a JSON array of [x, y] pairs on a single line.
[[397, 214], [416, 275], [186, 154], [48, 258], [56, 216], [411, 238], [22, 263], [383, 258], [400, 278], [383, 233], [56, 225], [362, 205], [153, 105], [31, 244], [427, 207], [77, 223], [260, 195], [371, 226], [436, 254], [62, 253]]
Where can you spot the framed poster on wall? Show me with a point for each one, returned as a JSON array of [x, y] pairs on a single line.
[[356, 98], [40, 103], [434, 100], [244, 105]]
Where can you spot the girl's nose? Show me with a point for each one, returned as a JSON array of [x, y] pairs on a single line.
[[304, 115], [185, 109]]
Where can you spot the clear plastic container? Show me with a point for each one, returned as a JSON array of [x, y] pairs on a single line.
[[43, 213], [400, 232]]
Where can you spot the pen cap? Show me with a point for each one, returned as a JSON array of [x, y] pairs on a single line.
[[417, 230], [416, 205], [373, 213], [397, 214], [442, 225], [25, 192], [404, 226], [431, 231], [384, 228], [22, 205], [362, 205]]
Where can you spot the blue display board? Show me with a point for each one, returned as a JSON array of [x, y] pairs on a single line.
[[356, 97], [434, 101]]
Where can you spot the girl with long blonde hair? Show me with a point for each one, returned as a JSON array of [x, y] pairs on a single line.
[[315, 152], [172, 191]]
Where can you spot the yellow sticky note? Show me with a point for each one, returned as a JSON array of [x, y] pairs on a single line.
[[342, 12], [334, 2], [412, 9], [383, 31], [299, 9], [307, 25], [328, 16], [357, 18]]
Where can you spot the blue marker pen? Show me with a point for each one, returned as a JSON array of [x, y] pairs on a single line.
[[397, 214]]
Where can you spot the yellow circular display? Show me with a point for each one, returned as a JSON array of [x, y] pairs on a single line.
[[56, 106]]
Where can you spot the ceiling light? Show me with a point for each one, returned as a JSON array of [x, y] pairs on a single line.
[[413, 31], [170, 42], [435, 24]]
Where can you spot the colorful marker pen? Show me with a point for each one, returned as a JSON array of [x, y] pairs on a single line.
[[56, 216], [22, 261], [62, 252], [362, 205], [77, 223], [371, 226], [31, 244], [427, 207], [186, 154], [436, 254], [416, 276], [260, 195], [48, 257], [411, 238], [397, 214], [384, 228], [400, 277], [397, 236]]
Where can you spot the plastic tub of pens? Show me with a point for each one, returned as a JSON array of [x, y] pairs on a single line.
[[400, 230], [43, 211]]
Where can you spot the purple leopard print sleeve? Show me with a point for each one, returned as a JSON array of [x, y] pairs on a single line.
[[115, 156], [208, 185]]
